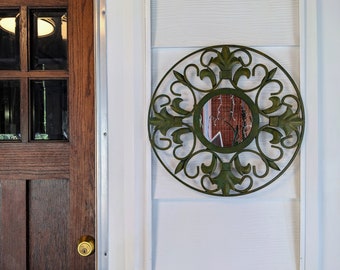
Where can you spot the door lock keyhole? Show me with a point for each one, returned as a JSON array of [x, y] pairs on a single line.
[[86, 246]]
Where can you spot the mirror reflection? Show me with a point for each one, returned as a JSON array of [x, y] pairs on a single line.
[[226, 120]]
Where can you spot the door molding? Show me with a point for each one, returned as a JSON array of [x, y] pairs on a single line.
[[124, 179], [101, 134], [310, 215]]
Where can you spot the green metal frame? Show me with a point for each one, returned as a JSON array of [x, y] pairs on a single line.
[[175, 129]]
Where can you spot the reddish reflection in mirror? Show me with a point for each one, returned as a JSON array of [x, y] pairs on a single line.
[[226, 120]]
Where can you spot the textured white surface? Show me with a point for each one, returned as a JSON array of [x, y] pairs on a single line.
[[330, 126], [275, 208], [226, 234], [194, 231], [183, 23]]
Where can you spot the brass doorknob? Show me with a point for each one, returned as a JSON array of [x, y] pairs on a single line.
[[86, 245]]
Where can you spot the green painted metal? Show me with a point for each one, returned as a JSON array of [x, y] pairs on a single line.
[[276, 111]]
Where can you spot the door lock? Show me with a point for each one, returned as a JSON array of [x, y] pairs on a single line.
[[86, 245]]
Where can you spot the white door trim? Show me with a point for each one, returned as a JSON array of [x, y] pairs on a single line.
[[128, 171], [101, 119], [310, 236]]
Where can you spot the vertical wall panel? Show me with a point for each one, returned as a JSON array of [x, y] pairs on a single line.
[[198, 232], [329, 132]]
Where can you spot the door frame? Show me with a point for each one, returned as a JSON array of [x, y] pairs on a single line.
[[101, 134], [124, 184], [310, 195]]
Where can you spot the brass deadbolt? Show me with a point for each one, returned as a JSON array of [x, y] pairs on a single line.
[[86, 245]]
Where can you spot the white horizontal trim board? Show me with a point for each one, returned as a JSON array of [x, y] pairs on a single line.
[[183, 23]]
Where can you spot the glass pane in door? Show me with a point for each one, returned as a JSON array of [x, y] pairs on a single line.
[[9, 110], [49, 110], [9, 39], [48, 35]]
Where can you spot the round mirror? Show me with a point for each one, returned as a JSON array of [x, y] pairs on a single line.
[[225, 120]]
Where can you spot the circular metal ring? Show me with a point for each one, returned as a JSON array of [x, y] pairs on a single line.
[[266, 122]]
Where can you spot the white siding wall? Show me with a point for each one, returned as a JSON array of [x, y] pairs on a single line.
[[192, 231], [197, 232]]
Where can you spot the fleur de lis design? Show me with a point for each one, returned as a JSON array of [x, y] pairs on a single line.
[[288, 121], [163, 121], [226, 60], [226, 180]]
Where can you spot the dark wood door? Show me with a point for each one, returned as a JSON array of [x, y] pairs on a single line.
[[47, 177]]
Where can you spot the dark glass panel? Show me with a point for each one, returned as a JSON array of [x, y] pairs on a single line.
[[9, 40], [49, 113], [9, 110], [48, 35]]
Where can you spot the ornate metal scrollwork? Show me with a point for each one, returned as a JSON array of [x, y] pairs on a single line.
[[226, 120]]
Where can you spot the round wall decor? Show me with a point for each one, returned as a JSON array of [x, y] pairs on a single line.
[[226, 120]]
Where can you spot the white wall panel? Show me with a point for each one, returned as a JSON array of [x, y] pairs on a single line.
[[182, 23], [260, 232], [226, 234], [194, 231]]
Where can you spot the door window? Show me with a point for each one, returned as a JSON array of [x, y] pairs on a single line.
[[10, 110], [9, 39], [34, 64], [48, 39]]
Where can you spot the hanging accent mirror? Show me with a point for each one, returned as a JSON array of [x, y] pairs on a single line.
[[226, 120]]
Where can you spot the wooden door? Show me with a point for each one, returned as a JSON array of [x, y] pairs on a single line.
[[47, 181]]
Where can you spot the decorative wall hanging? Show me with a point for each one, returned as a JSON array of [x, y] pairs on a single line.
[[226, 120]]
